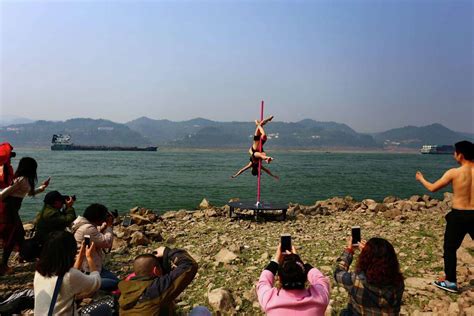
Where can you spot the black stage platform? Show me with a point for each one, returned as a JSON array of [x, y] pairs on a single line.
[[257, 209]]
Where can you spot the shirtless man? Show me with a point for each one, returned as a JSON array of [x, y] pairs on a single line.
[[460, 221]]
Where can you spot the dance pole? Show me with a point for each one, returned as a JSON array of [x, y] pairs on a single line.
[[260, 160]]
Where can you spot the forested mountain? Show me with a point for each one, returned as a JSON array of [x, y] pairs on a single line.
[[205, 133]]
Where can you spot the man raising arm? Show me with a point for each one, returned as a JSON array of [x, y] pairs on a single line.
[[460, 221]]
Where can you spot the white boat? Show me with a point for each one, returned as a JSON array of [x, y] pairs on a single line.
[[437, 149]]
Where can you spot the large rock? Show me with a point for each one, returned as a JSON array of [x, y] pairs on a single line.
[[369, 203], [119, 244], [221, 301], [198, 214], [154, 235], [380, 207], [469, 311], [204, 204], [139, 219], [169, 215], [454, 309], [210, 213], [135, 228], [426, 198], [448, 196], [182, 214], [121, 232], [417, 283], [390, 199], [138, 238], [225, 256], [414, 198], [392, 214]]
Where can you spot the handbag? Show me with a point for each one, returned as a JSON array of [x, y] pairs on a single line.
[[104, 306]]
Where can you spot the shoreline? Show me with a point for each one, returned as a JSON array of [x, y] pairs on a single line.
[[328, 150], [319, 232]]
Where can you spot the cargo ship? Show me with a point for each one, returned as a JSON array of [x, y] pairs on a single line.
[[437, 149], [63, 142]]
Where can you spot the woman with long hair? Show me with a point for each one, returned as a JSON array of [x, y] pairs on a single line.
[[293, 297], [58, 261], [376, 286], [24, 182]]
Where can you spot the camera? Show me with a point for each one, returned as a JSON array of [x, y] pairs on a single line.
[[12, 154]]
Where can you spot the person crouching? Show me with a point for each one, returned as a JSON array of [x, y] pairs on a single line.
[[158, 279]]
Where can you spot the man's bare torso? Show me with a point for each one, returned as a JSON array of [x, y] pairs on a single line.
[[463, 187]]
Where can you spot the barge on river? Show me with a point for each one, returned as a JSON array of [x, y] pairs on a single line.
[[63, 142]]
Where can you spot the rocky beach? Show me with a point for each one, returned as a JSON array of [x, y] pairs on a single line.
[[231, 252]]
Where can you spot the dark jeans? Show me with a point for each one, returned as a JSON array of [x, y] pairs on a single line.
[[109, 281], [458, 224]]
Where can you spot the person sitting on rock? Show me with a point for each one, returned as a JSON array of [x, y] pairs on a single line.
[[57, 260], [293, 298], [57, 214], [97, 222], [376, 287], [158, 279]]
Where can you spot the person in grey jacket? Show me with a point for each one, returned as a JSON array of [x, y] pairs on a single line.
[[97, 222]]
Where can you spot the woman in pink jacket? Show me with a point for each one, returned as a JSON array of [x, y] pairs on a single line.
[[294, 297]]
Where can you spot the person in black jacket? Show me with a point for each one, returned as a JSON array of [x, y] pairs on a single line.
[[158, 279]]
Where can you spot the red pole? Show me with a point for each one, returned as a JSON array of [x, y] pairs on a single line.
[[260, 161]]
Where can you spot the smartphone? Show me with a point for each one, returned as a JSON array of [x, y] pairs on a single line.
[[87, 240], [355, 235], [127, 221], [285, 242]]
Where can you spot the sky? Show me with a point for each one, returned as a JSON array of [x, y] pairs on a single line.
[[373, 65]]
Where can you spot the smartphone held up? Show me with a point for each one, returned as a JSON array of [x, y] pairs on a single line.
[[285, 242], [355, 235], [87, 240]]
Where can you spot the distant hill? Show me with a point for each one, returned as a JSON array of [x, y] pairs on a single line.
[[205, 133], [82, 131], [6, 120], [415, 137]]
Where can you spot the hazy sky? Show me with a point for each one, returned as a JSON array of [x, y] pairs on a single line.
[[373, 65]]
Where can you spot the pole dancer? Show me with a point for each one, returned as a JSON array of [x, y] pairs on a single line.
[[256, 152]]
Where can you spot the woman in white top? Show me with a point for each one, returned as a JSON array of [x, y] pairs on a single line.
[[57, 259], [11, 227]]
